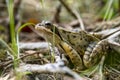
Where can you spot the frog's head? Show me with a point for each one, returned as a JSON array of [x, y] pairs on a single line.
[[46, 30]]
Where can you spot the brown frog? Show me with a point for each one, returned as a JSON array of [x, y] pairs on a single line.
[[84, 49]]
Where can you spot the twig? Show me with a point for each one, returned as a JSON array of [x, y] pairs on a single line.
[[11, 61], [74, 14], [32, 45], [80, 20], [108, 24], [52, 67], [56, 17], [74, 23], [68, 9]]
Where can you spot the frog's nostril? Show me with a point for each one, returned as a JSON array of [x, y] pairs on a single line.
[[39, 24]]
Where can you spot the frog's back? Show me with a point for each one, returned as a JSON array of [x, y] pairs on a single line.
[[78, 40]]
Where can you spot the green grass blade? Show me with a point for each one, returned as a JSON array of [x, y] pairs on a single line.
[[109, 5], [10, 7], [3, 43], [11, 18], [18, 31]]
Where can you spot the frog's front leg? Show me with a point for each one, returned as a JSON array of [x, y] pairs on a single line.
[[73, 55], [94, 52]]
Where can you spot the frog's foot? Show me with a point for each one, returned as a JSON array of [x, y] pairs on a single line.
[[94, 52]]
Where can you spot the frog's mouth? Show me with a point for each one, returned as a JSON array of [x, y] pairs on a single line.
[[42, 30]]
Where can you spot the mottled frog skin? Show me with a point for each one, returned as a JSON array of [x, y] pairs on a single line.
[[84, 49]]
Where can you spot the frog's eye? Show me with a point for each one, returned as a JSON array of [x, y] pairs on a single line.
[[48, 23]]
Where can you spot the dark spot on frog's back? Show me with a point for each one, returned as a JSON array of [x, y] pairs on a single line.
[[64, 32], [81, 38], [71, 50], [74, 36], [86, 39], [69, 39], [84, 46]]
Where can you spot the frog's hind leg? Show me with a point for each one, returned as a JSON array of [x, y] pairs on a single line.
[[94, 53]]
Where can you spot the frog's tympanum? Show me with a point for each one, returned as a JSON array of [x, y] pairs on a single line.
[[83, 49]]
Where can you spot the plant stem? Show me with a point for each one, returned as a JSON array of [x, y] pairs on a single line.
[[10, 6]]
